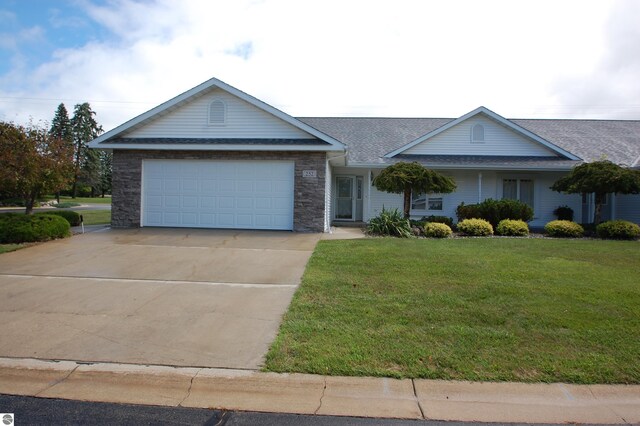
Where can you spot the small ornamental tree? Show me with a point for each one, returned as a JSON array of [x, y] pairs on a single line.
[[405, 178], [600, 178], [33, 162]]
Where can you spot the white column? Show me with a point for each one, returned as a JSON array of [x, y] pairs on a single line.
[[479, 187]]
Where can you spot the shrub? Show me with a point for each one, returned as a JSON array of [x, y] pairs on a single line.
[[564, 229], [21, 228], [438, 219], [475, 227], [618, 230], [493, 211], [564, 213], [437, 230], [516, 228], [72, 217], [390, 222]]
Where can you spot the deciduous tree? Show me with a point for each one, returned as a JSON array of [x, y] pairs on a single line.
[[33, 162]]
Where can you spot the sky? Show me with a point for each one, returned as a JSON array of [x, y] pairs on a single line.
[[394, 58]]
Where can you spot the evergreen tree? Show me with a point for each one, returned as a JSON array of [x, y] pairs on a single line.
[[106, 160], [85, 128], [61, 129]]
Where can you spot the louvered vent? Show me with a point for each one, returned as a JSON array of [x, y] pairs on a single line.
[[217, 112]]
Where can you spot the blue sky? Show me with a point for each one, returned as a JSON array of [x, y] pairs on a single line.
[[522, 59]]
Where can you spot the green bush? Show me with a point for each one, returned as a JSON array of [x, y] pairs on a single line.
[[618, 230], [515, 228], [475, 227], [72, 217], [390, 222], [564, 229], [493, 211], [21, 228], [437, 230], [564, 213], [438, 219]]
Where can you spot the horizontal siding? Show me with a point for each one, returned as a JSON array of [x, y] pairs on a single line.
[[243, 120], [499, 141], [628, 207], [545, 200]]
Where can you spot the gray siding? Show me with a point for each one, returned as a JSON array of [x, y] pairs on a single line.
[[243, 120]]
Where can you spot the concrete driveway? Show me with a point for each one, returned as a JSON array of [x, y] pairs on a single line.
[[182, 297]]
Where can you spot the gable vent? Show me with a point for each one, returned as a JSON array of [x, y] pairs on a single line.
[[477, 133], [217, 112]]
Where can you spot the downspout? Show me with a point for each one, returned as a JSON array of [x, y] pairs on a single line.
[[479, 188]]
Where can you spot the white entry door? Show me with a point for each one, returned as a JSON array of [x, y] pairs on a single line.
[[218, 194], [345, 201]]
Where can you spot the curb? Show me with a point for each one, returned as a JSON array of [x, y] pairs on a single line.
[[248, 390]]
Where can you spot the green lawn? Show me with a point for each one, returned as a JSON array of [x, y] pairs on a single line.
[[5, 248], [95, 217], [494, 309], [86, 200]]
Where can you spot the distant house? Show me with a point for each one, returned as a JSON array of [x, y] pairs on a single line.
[[216, 157]]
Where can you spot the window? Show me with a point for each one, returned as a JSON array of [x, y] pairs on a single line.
[[424, 202], [518, 189], [359, 187], [477, 133], [217, 112]]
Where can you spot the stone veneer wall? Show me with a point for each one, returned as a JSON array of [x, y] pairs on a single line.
[[308, 200]]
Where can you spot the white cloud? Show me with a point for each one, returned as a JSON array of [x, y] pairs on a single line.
[[403, 58]]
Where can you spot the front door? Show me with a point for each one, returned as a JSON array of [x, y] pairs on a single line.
[[344, 197]]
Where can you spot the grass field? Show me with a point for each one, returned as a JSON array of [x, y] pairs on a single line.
[[86, 200], [5, 248], [95, 217], [494, 309]]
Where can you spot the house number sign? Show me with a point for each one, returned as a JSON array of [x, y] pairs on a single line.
[[309, 173]]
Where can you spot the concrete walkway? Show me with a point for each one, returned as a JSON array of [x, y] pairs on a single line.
[[322, 395]]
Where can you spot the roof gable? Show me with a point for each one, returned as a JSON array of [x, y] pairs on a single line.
[[501, 138], [187, 117]]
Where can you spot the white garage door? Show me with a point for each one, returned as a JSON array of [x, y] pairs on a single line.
[[218, 194]]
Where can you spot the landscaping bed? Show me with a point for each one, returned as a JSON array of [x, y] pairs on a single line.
[[483, 309]]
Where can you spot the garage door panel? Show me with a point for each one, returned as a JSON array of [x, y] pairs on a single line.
[[218, 194]]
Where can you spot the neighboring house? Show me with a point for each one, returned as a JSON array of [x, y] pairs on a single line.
[[216, 157]]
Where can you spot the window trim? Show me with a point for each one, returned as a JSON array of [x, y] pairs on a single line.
[[428, 197]]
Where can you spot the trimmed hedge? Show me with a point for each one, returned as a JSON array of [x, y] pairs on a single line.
[[618, 230], [21, 228], [564, 229], [72, 217], [493, 211], [564, 213], [475, 227], [514, 228], [438, 219], [437, 230]]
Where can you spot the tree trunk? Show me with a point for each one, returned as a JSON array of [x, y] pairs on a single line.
[[407, 202], [74, 189], [597, 213], [28, 204]]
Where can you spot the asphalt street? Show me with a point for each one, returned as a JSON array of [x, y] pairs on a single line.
[[41, 411]]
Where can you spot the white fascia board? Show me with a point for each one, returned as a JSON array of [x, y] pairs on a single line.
[[221, 147], [213, 82], [495, 117], [464, 167]]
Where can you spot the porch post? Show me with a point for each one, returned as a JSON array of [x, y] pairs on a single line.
[[368, 212], [479, 187], [613, 205]]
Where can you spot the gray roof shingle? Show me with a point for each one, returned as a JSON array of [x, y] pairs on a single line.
[[369, 139]]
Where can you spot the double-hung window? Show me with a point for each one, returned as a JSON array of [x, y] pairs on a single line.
[[518, 189], [425, 201]]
